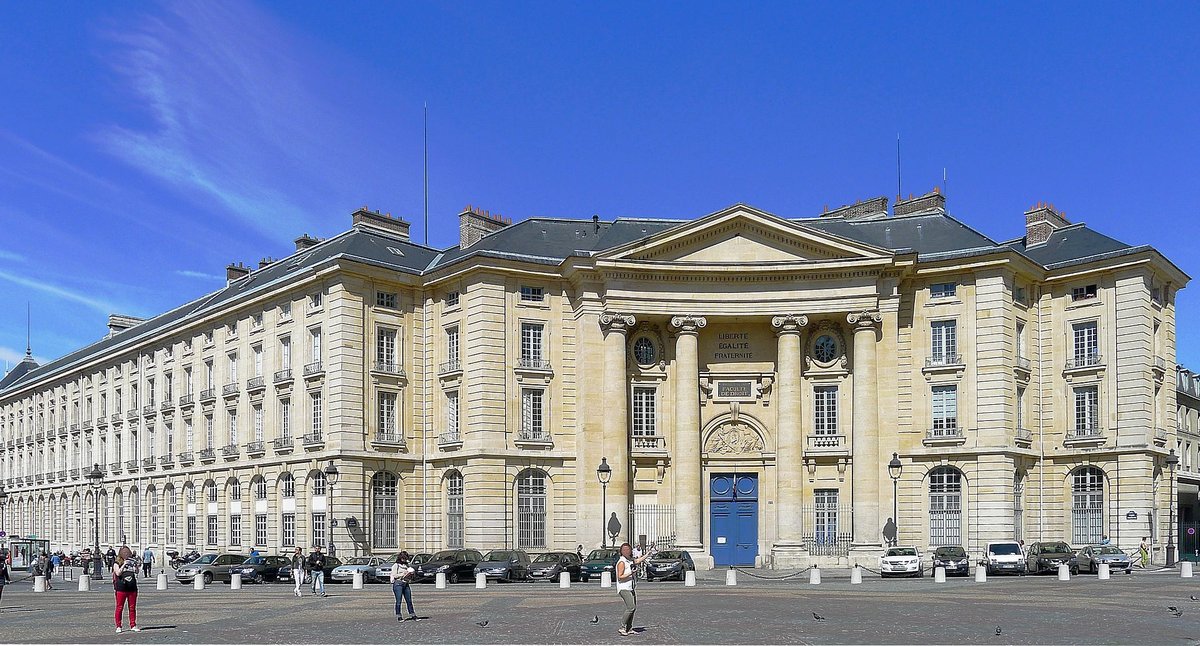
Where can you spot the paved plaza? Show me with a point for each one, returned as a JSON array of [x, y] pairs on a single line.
[[1029, 610]]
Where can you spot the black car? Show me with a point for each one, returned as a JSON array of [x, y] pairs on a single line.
[[457, 565], [1044, 557], [669, 564], [259, 569], [284, 574], [953, 558], [550, 565], [504, 565]]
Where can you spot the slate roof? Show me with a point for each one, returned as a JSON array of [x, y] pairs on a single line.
[[1073, 243]]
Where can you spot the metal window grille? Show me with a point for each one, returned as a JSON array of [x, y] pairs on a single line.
[[644, 414], [1086, 341], [531, 342], [825, 410], [945, 507], [235, 529], [531, 413], [385, 347], [288, 522], [1087, 407], [212, 492], [212, 529], [260, 529], [531, 510], [944, 342], [945, 410], [384, 510], [827, 526], [644, 351], [387, 412], [318, 529], [1087, 506], [454, 510], [1018, 509]]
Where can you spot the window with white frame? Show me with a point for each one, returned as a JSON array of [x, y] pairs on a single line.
[[826, 508], [454, 510], [233, 426], [210, 432], [1087, 410], [452, 413], [1020, 408], [172, 516], [258, 361], [210, 374], [318, 416], [152, 494], [451, 299], [285, 311], [285, 418], [287, 485], [315, 347], [531, 509], [942, 290], [318, 484], [385, 299], [258, 423], [1020, 340], [530, 294], [532, 411], [825, 410], [1086, 343], [288, 522], [1087, 506], [212, 529], [235, 529], [531, 344], [1084, 293], [943, 342], [188, 434], [285, 353], [945, 506], [260, 529], [645, 413], [387, 414], [384, 510], [452, 346], [314, 301], [318, 528], [256, 321], [944, 406], [385, 349]]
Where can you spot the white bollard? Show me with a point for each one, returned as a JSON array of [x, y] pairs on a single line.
[[480, 581], [39, 584], [1102, 572], [198, 582], [689, 579], [564, 579], [235, 581], [439, 581], [1064, 572], [162, 581], [980, 574], [358, 580], [606, 579], [85, 584], [731, 577], [939, 574], [1185, 569], [814, 576], [856, 575]]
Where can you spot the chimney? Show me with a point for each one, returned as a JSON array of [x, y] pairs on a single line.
[[365, 218], [474, 223], [305, 241], [1041, 220], [265, 262], [118, 323], [871, 209], [234, 272], [930, 202]]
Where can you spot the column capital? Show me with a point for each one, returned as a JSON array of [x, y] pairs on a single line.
[[689, 324], [865, 320], [789, 323], [616, 321]]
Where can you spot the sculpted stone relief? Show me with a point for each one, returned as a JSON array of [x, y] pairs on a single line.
[[734, 438]]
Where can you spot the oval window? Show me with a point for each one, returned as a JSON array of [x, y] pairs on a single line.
[[825, 349], [644, 352]]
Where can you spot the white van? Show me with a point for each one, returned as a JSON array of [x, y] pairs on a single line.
[[1004, 556]]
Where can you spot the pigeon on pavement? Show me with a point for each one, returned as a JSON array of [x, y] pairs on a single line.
[[818, 617], [998, 631], [482, 624], [595, 619]]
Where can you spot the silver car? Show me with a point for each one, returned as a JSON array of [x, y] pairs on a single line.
[[210, 567], [1090, 558]]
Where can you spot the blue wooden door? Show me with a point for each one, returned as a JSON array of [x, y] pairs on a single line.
[[733, 518]]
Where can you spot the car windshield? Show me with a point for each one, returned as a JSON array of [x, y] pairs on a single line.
[[602, 555], [902, 551], [669, 555], [501, 555], [950, 553], [1109, 549], [1055, 548], [1005, 548], [206, 559], [445, 555], [548, 557], [359, 560]]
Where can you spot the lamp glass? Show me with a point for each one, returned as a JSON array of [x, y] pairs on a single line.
[[331, 473], [604, 472], [895, 467]]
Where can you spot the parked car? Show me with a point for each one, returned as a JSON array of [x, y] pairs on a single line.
[[901, 561], [599, 560], [549, 565], [1004, 556], [383, 571], [1090, 557], [953, 558], [259, 569], [210, 567], [418, 559], [331, 563], [1043, 557], [669, 564], [504, 565], [368, 565], [457, 565]]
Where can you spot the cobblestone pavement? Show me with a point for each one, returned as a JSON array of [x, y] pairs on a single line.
[[1128, 609]]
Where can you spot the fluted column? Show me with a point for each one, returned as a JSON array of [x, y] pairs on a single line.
[[615, 441], [788, 550], [686, 461], [866, 431]]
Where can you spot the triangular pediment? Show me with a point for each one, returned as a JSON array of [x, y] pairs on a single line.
[[743, 234]]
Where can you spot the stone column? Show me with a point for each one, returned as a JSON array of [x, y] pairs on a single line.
[[788, 551], [615, 441], [865, 493], [685, 467]]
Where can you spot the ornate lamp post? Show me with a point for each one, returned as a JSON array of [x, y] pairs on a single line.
[[3, 505], [603, 474], [95, 478], [331, 476], [895, 468], [1172, 462]]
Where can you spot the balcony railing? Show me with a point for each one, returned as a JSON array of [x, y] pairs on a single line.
[[313, 439], [945, 433], [207, 454], [75, 428], [131, 465], [208, 394], [62, 474], [101, 422], [389, 437], [114, 467], [187, 400], [1086, 433], [283, 375], [149, 409], [62, 431], [254, 448], [148, 463], [943, 360], [167, 460], [1023, 363], [116, 417], [449, 438], [87, 425], [448, 367], [283, 443], [313, 368], [255, 383], [833, 442], [132, 414], [1084, 361], [530, 363], [534, 436], [389, 367], [1160, 363], [166, 406], [230, 450], [1160, 436], [186, 457], [229, 389], [1024, 435]]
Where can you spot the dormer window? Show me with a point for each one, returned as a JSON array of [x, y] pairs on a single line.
[[1083, 293]]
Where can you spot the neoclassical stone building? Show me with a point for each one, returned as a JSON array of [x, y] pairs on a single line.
[[747, 378]]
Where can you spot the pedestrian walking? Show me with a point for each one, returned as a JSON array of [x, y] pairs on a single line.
[[254, 552], [42, 569], [110, 559], [626, 566], [1144, 550], [579, 552], [4, 577], [147, 561], [298, 570], [126, 588], [316, 569], [401, 577]]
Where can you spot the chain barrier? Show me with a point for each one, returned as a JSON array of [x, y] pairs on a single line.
[[771, 578]]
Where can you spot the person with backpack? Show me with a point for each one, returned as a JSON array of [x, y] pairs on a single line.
[[126, 589], [298, 568], [401, 577], [316, 569]]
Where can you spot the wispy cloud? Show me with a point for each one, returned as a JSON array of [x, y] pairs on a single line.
[[11, 256], [13, 356], [101, 306], [188, 273]]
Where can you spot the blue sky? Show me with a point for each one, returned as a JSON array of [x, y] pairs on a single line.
[[145, 146]]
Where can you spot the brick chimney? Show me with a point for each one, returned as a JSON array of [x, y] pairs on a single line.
[[474, 223], [930, 202], [118, 323], [305, 241], [875, 207], [1041, 220], [365, 218], [234, 272], [265, 262]]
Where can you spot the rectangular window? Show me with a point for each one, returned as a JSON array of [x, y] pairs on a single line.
[[288, 521], [531, 511], [318, 418], [1087, 410], [285, 311], [452, 346], [945, 410], [1020, 408], [385, 299], [532, 411], [258, 424], [210, 434], [1083, 293], [191, 530], [233, 427], [235, 529], [451, 299], [645, 414], [314, 301], [385, 349], [1020, 339], [452, 413], [232, 367], [172, 517], [212, 529], [944, 342], [315, 348], [454, 512], [260, 529], [318, 529], [208, 337], [285, 418], [231, 330], [531, 294], [942, 290], [149, 392], [168, 389], [825, 409], [1086, 343], [285, 353], [210, 374], [387, 414], [384, 514], [531, 344], [256, 322], [187, 435], [826, 524], [258, 361]]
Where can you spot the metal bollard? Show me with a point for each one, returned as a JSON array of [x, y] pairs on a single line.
[[162, 581], [439, 581], [814, 576], [1185, 569], [39, 584], [855, 575], [235, 581], [980, 574], [731, 577], [939, 575], [358, 580], [480, 581], [689, 579], [85, 584], [606, 579], [564, 579], [1064, 572], [198, 582]]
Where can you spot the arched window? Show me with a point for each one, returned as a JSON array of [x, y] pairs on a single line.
[[454, 509], [531, 509], [287, 485], [235, 512], [210, 518], [945, 507], [260, 488], [383, 510], [317, 482], [1087, 506], [235, 490], [212, 491]]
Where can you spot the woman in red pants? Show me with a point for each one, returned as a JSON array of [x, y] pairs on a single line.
[[125, 585]]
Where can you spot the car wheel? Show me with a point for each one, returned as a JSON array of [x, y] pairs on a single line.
[[208, 578], [584, 577], [452, 578]]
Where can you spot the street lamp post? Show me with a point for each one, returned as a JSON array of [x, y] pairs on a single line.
[[331, 476], [895, 467], [1172, 462], [3, 507], [95, 478], [603, 474]]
